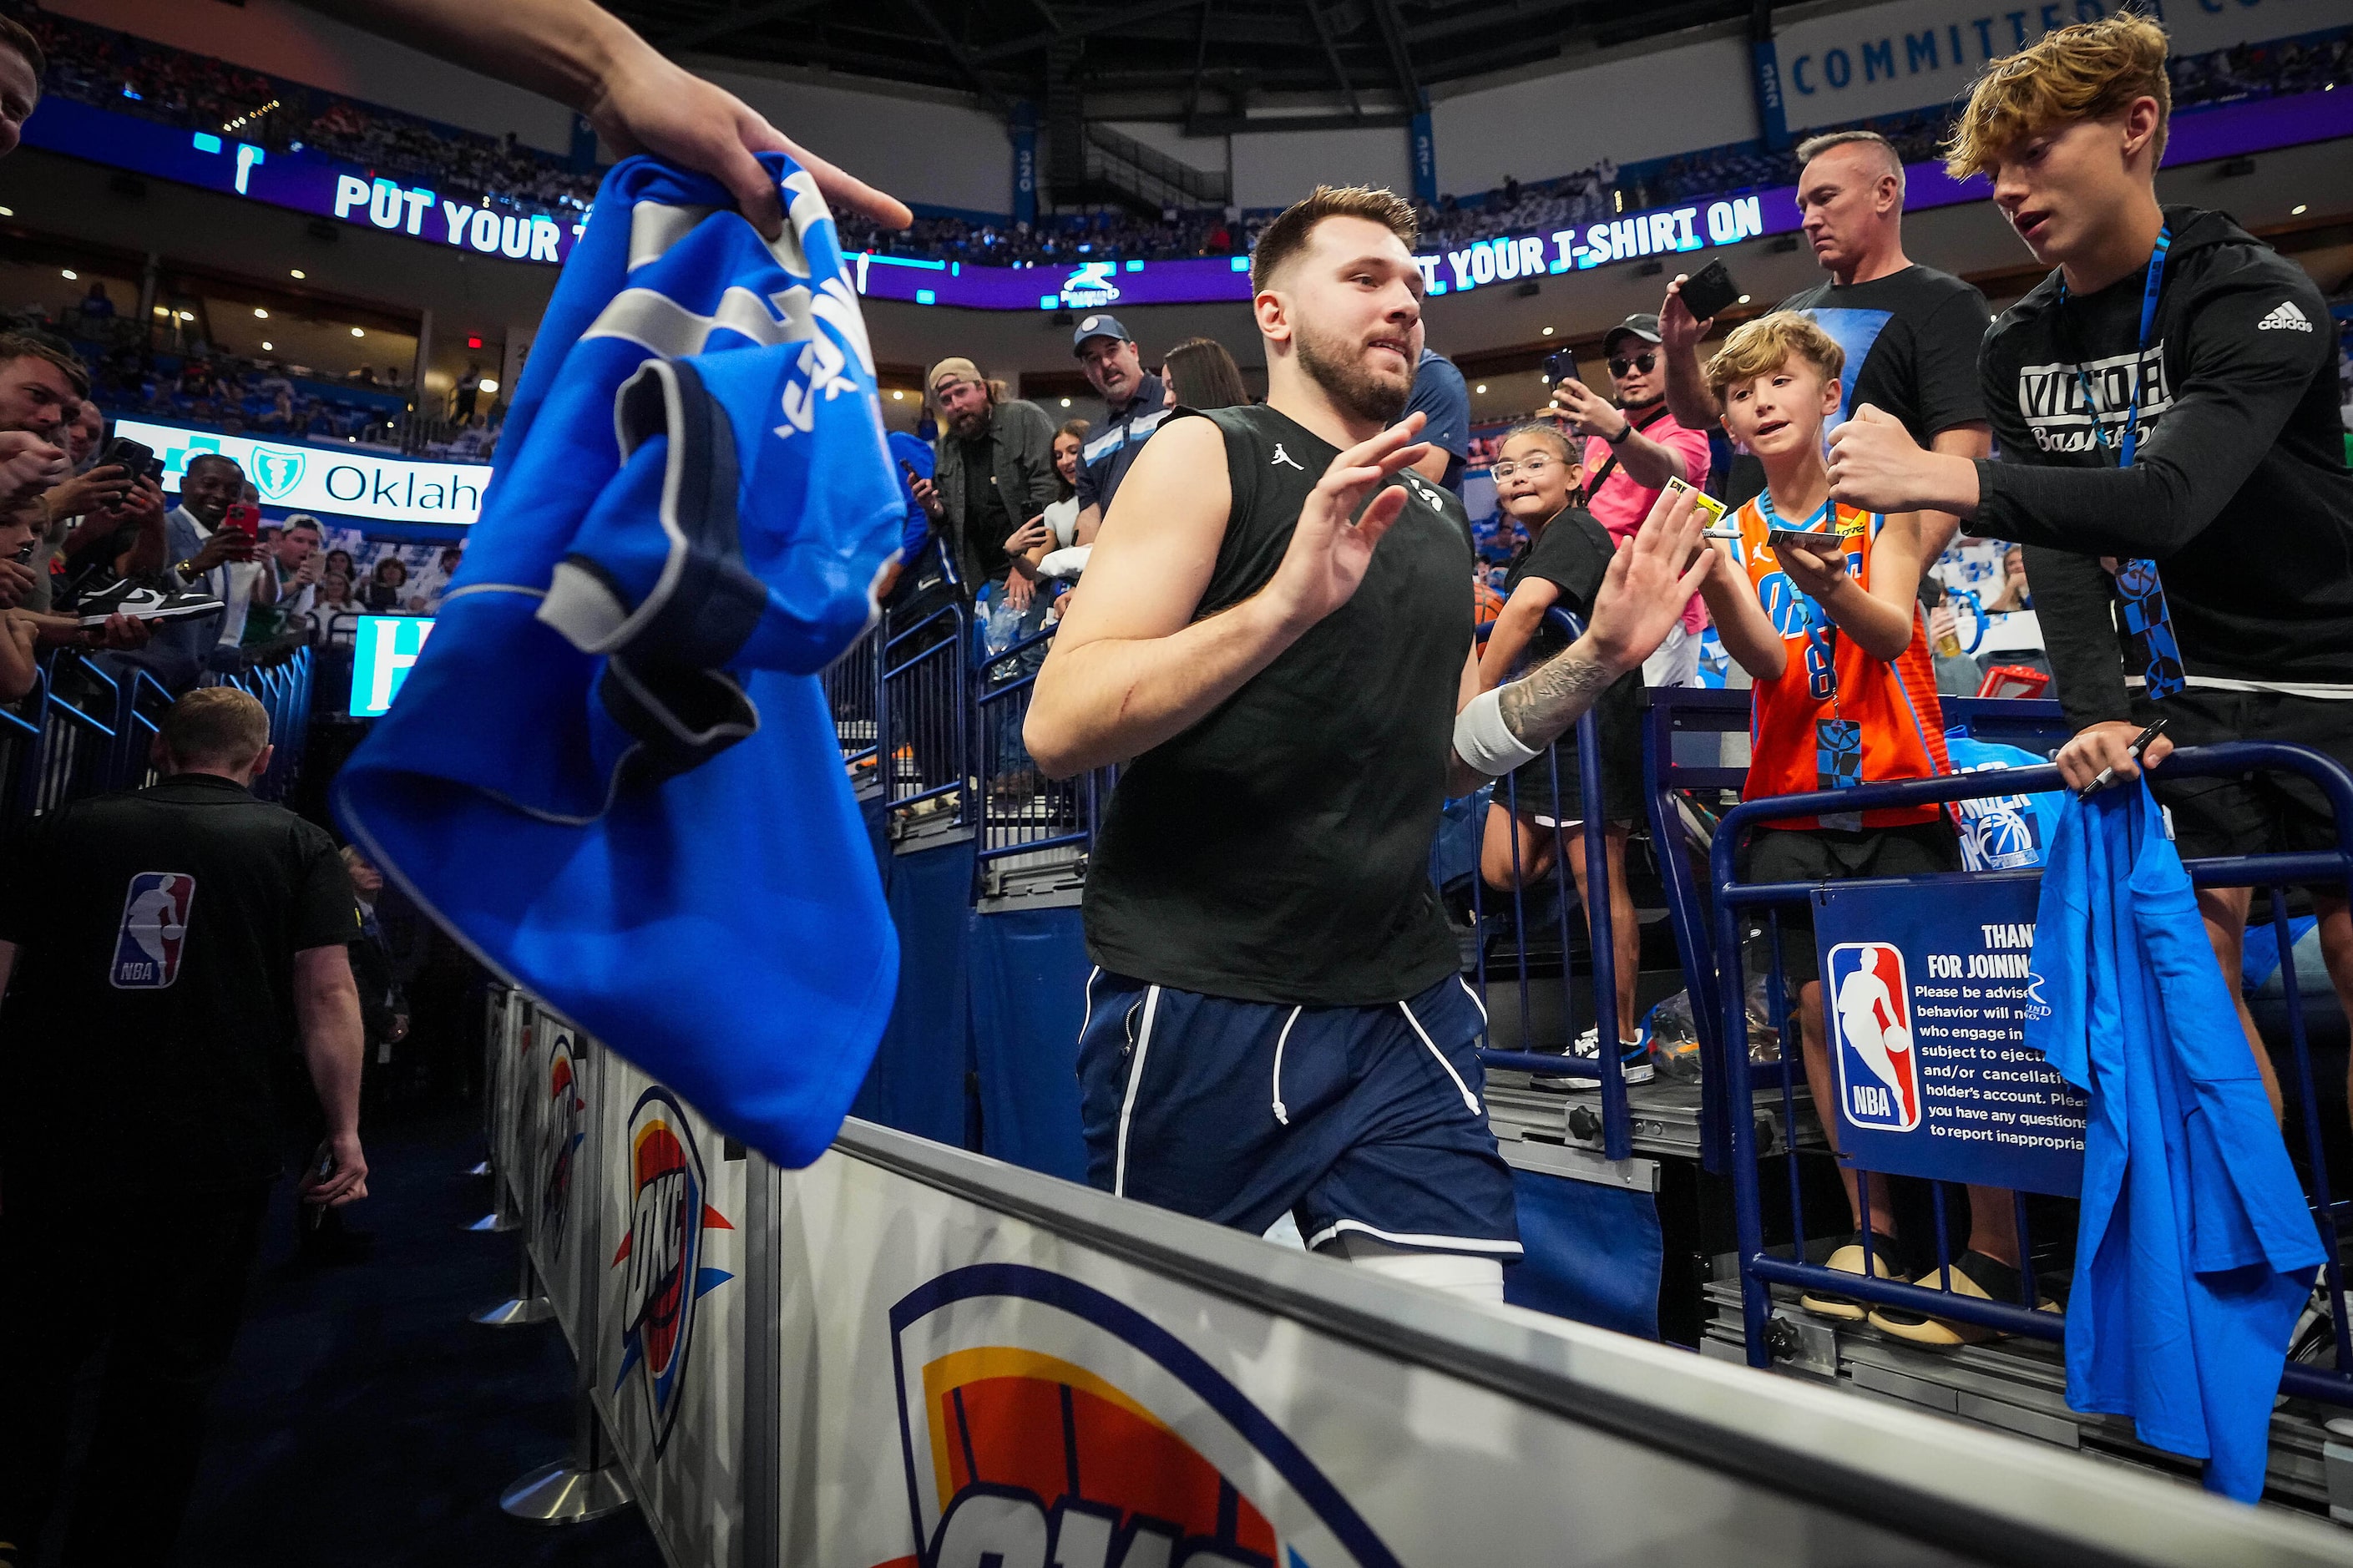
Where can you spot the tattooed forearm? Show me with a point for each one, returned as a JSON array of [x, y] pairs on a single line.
[[1540, 708]]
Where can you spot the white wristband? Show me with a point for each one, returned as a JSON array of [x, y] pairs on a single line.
[[1482, 740]]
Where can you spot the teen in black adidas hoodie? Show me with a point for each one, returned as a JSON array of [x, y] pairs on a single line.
[[2238, 489]]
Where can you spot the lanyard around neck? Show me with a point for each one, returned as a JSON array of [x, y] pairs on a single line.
[[2152, 285]]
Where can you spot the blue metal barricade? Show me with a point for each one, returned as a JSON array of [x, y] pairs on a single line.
[[852, 683], [77, 702], [1667, 782], [1761, 1268], [1616, 1134], [284, 690], [1022, 811], [140, 707], [922, 734]]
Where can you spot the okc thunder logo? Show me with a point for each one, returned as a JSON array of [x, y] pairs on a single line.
[[154, 934], [1878, 1077], [1046, 1423], [668, 1217], [562, 1134]]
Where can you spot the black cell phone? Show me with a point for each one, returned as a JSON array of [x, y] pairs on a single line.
[[1561, 365], [1710, 292], [908, 468], [131, 457]]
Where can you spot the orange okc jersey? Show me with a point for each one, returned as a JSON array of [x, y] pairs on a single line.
[[1836, 716]]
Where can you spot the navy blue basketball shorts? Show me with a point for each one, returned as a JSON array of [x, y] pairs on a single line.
[[1353, 1119]]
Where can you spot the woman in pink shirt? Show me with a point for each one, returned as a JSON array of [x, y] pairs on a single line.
[[1634, 446]]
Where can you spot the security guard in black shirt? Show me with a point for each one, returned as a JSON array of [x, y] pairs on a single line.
[[169, 947]]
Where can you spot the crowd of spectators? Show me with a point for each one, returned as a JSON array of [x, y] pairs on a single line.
[[117, 72], [114, 70], [264, 397]]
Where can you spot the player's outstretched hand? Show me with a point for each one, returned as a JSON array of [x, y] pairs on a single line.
[[1332, 544], [1650, 580], [647, 104]]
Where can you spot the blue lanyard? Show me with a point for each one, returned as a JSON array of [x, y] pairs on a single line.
[[1822, 646], [2152, 285], [2148, 620]]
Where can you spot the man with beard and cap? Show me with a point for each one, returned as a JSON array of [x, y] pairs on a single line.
[[1134, 404], [994, 478], [1274, 644]]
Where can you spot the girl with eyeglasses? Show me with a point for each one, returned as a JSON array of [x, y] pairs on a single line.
[[1537, 477]]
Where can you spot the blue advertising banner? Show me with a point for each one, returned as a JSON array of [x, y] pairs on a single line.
[[1925, 995], [1772, 121], [1025, 164], [383, 652], [1422, 142]]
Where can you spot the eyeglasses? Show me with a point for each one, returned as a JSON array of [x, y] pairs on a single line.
[[1646, 363], [1535, 467]]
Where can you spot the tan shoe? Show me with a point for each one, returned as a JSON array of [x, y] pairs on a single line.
[[1974, 1275], [1849, 1259]]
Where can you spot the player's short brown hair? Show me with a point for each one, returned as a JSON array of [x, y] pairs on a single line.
[[29, 346], [216, 726], [1288, 235], [2093, 70], [1764, 345]]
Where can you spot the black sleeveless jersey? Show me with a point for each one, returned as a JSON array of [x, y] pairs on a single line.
[[1279, 849]]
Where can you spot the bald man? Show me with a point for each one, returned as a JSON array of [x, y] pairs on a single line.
[[1910, 332]]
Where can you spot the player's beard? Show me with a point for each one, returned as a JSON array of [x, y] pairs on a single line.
[[1340, 370]]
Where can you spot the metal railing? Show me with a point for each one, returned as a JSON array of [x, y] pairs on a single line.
[[1023, 811], [1608, 1071], [850, 685], [922, 736], [1668, 785], [1761, 1268]]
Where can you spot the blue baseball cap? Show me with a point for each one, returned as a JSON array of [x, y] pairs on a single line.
[[1097, 326]]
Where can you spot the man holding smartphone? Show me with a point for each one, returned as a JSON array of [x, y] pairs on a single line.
[[188, 550], [1634, 446], [1910, 332]]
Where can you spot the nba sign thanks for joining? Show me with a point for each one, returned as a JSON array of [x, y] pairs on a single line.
[[1924, 1000]]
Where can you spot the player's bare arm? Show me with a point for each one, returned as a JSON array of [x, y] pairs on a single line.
[[1130, 666], [1651, 579]]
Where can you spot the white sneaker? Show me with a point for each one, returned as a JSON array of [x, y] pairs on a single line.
[[1634, 1058]]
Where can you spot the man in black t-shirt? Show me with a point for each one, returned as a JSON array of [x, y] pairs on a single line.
[[2206, 580], [169, 948], [1910, 332]]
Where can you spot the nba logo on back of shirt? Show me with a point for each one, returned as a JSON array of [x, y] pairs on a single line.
[[155, 930], [1870, 1004]]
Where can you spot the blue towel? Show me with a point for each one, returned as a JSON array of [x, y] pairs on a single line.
[[612, 774], [2196, 1250]]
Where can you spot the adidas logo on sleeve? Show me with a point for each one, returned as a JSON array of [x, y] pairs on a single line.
[[2285, 318]]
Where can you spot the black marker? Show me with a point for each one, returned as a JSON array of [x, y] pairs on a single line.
[[2108, 775]]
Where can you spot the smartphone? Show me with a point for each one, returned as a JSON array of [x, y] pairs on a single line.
[[1710, 292], [1806, 540], [243, 517], [908, 468], [1700, 498], [1561, 365], [131, 457]]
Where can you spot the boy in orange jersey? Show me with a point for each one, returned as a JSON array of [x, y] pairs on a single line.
[[1845, 695]]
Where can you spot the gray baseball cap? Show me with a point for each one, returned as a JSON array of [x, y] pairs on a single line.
[[1099, 325], [1645, 327]]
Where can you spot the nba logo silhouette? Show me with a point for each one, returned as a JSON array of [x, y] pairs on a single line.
[[155, 930], [1870, 1000]]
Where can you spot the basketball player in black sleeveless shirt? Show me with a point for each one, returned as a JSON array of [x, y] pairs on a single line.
[[1274, 641]]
